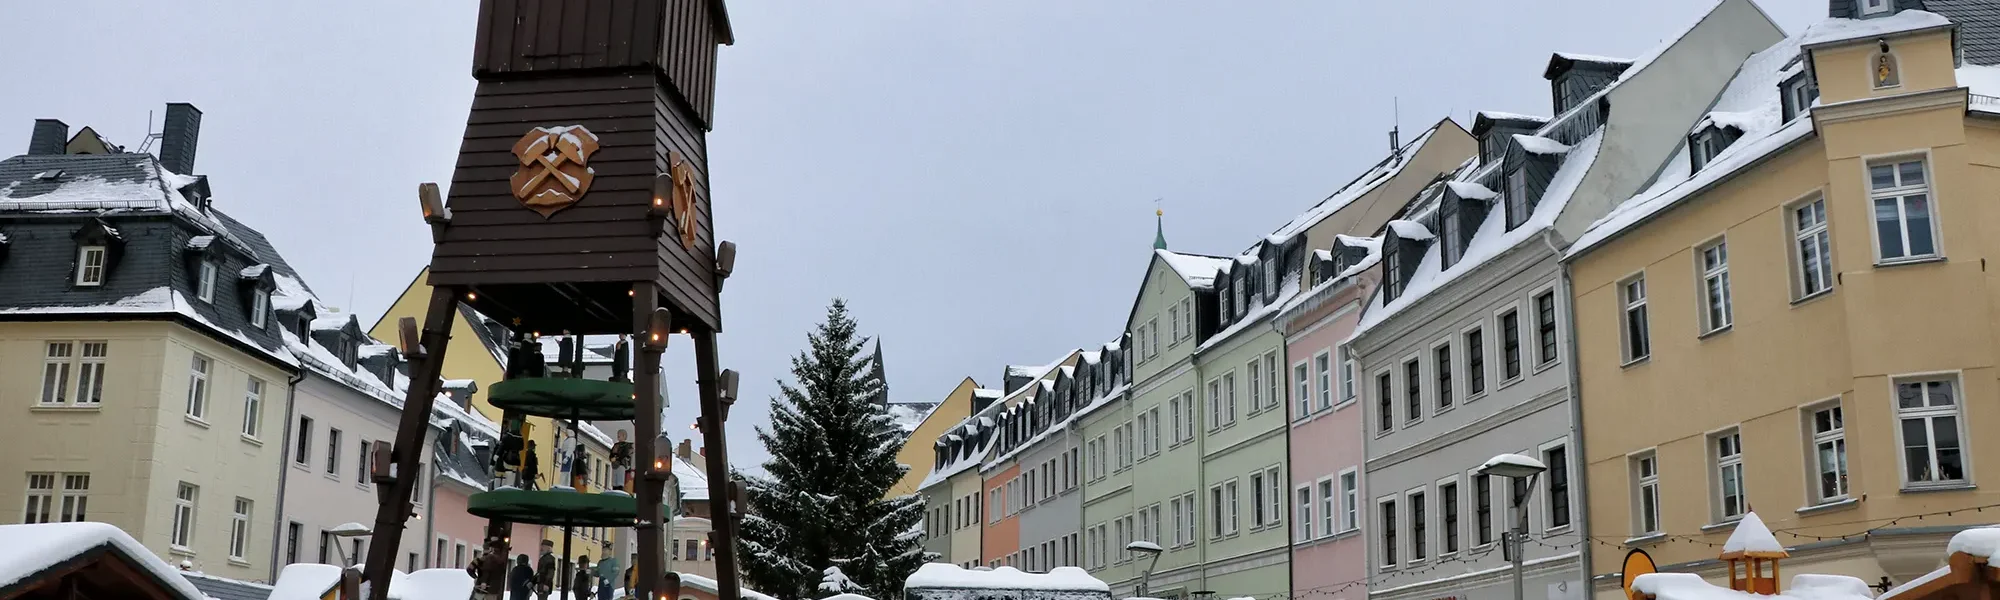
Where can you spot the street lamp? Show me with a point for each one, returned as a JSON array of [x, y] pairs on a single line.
[[1146, 576], [1522, 470], [349, 530]]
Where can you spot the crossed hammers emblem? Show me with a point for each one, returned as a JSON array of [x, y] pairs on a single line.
[[554, 170]]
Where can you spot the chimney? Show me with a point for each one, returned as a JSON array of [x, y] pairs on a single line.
[[49, 138], [685, 451], [178, 136]]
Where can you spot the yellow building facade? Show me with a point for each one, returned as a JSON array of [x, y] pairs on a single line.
[[1805, 325], [920, 449]]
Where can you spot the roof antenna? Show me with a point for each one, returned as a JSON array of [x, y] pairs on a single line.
[[1395, 145]]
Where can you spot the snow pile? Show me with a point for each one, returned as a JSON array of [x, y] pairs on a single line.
[[1752, 537], [708, 585], [31, 549], [1688, 586], [1981, 80], [305, 581], [947, 576], [835, 581], [1199, 271], [1750, 103], [432, 584], [1831, 31], [1983, 542]]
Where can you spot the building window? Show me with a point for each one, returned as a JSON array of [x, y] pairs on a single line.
[[1441, 365], [1510, 344], [239, 530], [1419, 531], [90, 265], [1214, 404], [1638, 342], [1545, 329], [1557, 459], [61, 360], [1728, 448], [1346, 379], [1646, 492], [1928, 415], [1235, 498], [1448, 505], [1829, 452], [1188, 408], [1517, 199], [1874, 7], [55, 373], [1385, 402], [197, 401], [1328, 507], [41, 500], [1814, 250], [1904, 224], [182, 534], [1350, 500], [1256, 387], [1413, 390], [293, 531], [1706, 146], [1152, 338], [1187, 308], [253, 406], [1229, 398], [333, 452], [1302, 523], [1274, 497], [1482, 508], [1387, 508], [260, 304], [1475, 362], [302, 449], [1800, 93], [326, 548], [1215, 506], [1301, 391], [1193, 517], [361, 466], [1174, 324], [205, 285], [1716, 313]]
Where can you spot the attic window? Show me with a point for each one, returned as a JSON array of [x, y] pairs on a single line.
[[1706, 145], [260, 304], [90, 266], [1874, 7], [49, 175], [1799, 92], [1392, 269], [1517, 199], [205, 282]]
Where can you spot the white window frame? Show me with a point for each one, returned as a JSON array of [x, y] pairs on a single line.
[[1546, 486], [1555, 325], [1930, 415], [181, 536], [1632, 309], [1189, 406], [92, 358], [1329, 507], [253, 407], [75, 497], [1254, 384], [1152, 338], [1834, 439], [1818, 236], [1234, 495], [1874, 7], [1465, 354], [1174, 325], [1711, 262], [1152, 440], [90, 265], [1187, 309], [1724, 451], [1215, 515], [1900, 193], [1215, 404], [239, 530], [1260, 512], [1274, 382], [1449, 488], [204, 288], [1496, 512], [58, 363], [1302, 391], [1499, 335], [1401, 381], [1418, 546], [1385, 507], [1302, 519], [1350, 498], [39, 505], [260, 305], [1229, 398], [198, 377], [1322, 374], [1645, 485], [1442, 399]]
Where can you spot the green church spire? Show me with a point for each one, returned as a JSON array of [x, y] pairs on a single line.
[[1159, 230]]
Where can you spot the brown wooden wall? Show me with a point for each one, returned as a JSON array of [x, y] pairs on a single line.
[[523, 38], [687, 276]]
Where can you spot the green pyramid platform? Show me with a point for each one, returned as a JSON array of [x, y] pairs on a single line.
[[563, 398], [559, 507]]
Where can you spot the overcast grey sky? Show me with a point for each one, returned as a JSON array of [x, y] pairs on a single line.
[[976, 178]]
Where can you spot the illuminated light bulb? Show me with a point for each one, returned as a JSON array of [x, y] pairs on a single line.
[[472, 295]]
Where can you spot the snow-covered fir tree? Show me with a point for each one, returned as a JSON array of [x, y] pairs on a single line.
[[820, 502]]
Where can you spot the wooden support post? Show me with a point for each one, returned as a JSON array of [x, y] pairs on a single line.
[[721, 491], [647, 489], [410, 433]]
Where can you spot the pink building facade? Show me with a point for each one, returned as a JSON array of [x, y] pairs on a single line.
[[1329, 552]]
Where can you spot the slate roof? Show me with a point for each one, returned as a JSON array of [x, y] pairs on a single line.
[[1978, 27], [228, 589]]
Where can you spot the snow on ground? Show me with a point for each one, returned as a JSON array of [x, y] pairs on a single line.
[[32, 548], [947, 576], [708, 585]]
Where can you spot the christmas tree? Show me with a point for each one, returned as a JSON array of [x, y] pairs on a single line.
[[820, 502]]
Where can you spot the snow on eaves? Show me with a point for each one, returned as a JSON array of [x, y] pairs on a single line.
[[1287, 290], [33, 549], [1810, 586], [1490, 240], [1495, 115], [1834, 31], [1593, 58], [1471, 190], [1751, 102], [1198, 271], [1536, 144], [1374, 177], [1410, 230]]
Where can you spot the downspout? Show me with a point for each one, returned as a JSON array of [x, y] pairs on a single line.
[[1284, 366], [1575, 415], [284, 472], [430, 512]]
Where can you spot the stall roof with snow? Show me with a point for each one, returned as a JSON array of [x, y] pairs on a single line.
[[949, 576], [93, 560]]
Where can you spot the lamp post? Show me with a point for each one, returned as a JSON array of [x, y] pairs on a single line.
[[1146, 577], [1522, 470]]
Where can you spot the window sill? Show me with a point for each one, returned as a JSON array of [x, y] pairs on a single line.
[[196, 421], [1902, 262], [1645, 540], [1729, 524], [180, 550], [1948, 487], [1827, 507], [1344, 404], [250, 439], [65, 408], [1435, 411], [1474, 397], [1635, 362], [1504, 383], [1715, 332], [1546, 366], [1554, 531], [239, 562], [1802, 300]]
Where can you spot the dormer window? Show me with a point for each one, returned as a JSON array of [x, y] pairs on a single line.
[[90, 266], [260, 305], [1799, 93], [205, 282], [1871, 8], [1392, 271], [1517, 199], [1708, 144]]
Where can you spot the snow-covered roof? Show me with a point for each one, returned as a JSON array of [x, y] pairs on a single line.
[[305, 581], [1983, 542], [1536, 144], [1834, 31], [693, 481], [1368, 181], [1495, 115], [429, 584], [1471, 190], [988, 393], [1410, 230], [708, 585], [1689, 586], [32, 549], [907, 416], [1197, 270], [949, 576], [1593, 58], [1751, 103], [1753, 539]]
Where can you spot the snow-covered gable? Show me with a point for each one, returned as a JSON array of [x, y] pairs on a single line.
[[31, 549], [1471, 190], [1536, 144], [693, 481], [1410, 230], [1834, 31], [1752, 538], [1198, 271], [1752, 104]]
